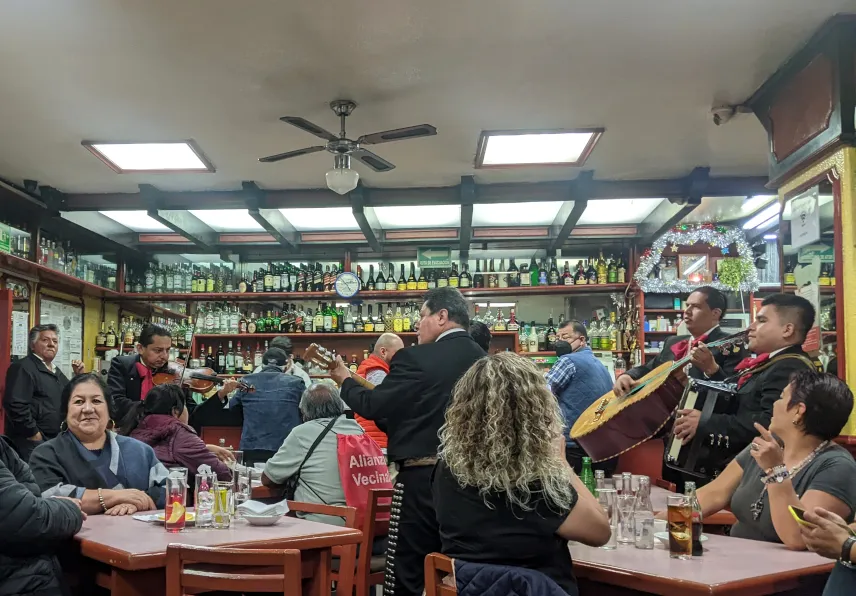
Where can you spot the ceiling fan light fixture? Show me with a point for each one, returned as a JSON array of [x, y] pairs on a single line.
[[342, 179]]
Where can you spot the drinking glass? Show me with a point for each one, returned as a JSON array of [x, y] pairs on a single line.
[[680, 517], [175, 514], [606, 498], [618, 483], [244, 488], [204, 499], [626, 529], [221, 514], [645, 533]]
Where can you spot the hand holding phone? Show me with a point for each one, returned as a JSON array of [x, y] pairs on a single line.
[[798, 514]]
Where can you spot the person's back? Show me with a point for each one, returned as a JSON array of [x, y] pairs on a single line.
[[590, 382], [32, 530], [271, 411]]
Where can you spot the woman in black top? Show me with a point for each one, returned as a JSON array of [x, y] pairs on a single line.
[[503, 491]]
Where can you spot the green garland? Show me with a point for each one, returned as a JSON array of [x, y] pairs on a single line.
[[733, 272]]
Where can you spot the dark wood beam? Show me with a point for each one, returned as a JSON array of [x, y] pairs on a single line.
[[513, 192], [180, 221], [670, 213], [571, 211], [366, 217], [272, 220], [467, 196]]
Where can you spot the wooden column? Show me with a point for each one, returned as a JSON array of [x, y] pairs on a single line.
[[5, 346]]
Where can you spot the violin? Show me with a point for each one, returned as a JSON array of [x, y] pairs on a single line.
[[201, 380]]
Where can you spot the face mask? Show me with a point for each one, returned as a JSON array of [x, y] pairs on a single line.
[[562, 347]]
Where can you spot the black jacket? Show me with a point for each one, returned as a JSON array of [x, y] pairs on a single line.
[[31, 530], [124, 383], [755, 399], [412, 399], [32, 399], [726, 362]]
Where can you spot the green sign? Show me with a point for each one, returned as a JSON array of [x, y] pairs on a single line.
[[825, 253], [5, 238], [434, 257]]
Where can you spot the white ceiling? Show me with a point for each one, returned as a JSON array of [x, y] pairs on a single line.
[[223, 72]]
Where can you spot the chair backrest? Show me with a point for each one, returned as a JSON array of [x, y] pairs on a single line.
[[646, 459], [437, 567], [349, 514], [281, 573], [665, 484], [380, 502]]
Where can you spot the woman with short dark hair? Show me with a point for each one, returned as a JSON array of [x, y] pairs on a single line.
[[795, 463]]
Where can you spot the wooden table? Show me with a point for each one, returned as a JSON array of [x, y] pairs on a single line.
[[729, 567], [134, 552]]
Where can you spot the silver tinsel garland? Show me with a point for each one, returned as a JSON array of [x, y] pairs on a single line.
[[719, 236]]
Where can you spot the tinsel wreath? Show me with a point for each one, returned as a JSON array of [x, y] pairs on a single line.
[[687, 235]]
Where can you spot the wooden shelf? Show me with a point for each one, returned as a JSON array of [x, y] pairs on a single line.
[[147, 309], [128, 349], [823, 289], [53, 279], [204, 336], [672, 311], [375, 295]]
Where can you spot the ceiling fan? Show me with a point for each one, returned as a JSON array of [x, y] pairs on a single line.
[[342, 179]]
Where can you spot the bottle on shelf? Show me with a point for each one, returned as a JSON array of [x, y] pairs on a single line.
[[110, 339], [353, 366], [221, 361], [602, 272], [442, 279], [553, 279], [422, 282], [478, 277], [612, 271], [397, 322], [551, 334], [500, 324], [406, 319], [454, 277], [230, 360], [368, 324], [257, 356], [101, 337], [513, 275], [248, 360], [432, 279], [567, 276], [465, 280], [411, 283], [532, 339], [389, 318], [238, 359], [380, 321], [591, 273], [513, 325], [492, 279]]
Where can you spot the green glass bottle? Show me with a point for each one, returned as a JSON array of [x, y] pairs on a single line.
[[534, 273], [587, 476]]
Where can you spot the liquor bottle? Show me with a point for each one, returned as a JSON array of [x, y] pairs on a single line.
[[318, 279], [380, 322], [380, 282], [368, 324], [353, 366], [327, 318], [500, 324], [412, 284], [328, 279], [397, 321], [391, 284], [210, 360], [359, 322], [188, 334], [442, 279], [567, 278], [512, 321], [580, 274], [612, 271], [478, 277], [697, 521], [309, 321], [370, 282], [422, 282], [128, 334], [492, 280], [621, 271], [524, 280], [432, 279], [169, 282], [209, 281], [150, 277], [406, 320], [220, 281], [602, 271], [101, 338], [502, 275], [248, 360], [338, 317], [238, 357], [267, 280], [466, 280], [513, 275], [587, 477], [300, 320], [534, 273], [591, 273], [110, 340], [389, 317], [318, 322], [532, 340], [553, 277], [824, 279], [454, 277], [402, 281], [551, 334], [221, 360]]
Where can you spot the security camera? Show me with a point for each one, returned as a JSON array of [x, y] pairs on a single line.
[[722, 114]]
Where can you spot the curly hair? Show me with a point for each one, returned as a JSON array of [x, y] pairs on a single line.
[[500, 433]]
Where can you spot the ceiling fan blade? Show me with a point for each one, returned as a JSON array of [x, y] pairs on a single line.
[[372, 160], [287, 154], [306, 125], [399, 134]]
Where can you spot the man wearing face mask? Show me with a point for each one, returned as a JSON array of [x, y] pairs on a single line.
[[577, 379]]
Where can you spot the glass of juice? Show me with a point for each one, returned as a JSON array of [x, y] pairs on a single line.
[[221, 513], [175, 515], [680, 520]]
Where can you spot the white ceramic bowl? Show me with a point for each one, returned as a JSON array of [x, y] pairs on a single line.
[[262, 520], [664, 538]]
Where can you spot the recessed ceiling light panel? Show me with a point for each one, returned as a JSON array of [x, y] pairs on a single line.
[[503, 148], [309, 219], [418, 216], [137, 221], [515, 214], [617, 211], [124, 158], [227, 220]]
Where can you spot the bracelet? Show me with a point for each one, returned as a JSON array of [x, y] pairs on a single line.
[[777, 474], [845, 551], [101, 500]]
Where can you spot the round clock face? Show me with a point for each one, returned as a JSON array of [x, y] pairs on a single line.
[[347, 285]]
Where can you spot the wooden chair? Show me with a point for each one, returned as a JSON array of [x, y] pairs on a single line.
[[370, 570], [347, 555], [180, 580], [437, 567], [645, 459], [669, 486]]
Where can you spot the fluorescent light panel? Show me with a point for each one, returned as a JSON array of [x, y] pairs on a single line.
[[419, 216], [752, 204], [332, 219], [762, 217], [138, 221], [559, 147], [771, 236], [515, 214], [150, 157], [228, 220], [617, 211]]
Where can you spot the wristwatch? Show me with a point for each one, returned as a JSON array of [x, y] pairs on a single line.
[[845, 552]]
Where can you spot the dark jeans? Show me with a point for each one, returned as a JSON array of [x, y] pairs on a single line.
[[575, 456], [842, 582], [418, 532]]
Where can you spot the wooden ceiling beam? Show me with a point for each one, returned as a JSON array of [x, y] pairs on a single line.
[[272, 220], [366, 218]]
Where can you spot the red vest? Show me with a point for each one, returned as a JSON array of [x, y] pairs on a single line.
[[366, 366]]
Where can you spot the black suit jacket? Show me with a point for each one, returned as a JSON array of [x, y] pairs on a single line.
[[33, 399], [124, 383], [412, 399], [726, 363]]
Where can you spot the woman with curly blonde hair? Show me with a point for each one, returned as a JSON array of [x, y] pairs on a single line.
[[503, 490]]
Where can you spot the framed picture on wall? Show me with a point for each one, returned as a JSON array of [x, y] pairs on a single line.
[[695, 268]]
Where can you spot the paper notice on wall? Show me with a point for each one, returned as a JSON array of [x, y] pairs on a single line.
[[69, 319], [20, 324], [805, 219], [811, 292]]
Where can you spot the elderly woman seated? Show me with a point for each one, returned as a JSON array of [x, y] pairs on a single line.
[[109, 473], [323, 413], [795, 462]]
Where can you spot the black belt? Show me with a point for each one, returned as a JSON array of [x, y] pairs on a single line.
[[418, 462]]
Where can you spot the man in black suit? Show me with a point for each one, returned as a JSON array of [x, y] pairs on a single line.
[[776, 336], [412, 401], [705, 309]]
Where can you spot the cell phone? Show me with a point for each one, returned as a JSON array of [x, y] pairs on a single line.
[[799, 514]]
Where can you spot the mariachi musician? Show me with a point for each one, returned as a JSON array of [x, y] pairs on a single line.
[[705, 309], [776, 337]]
